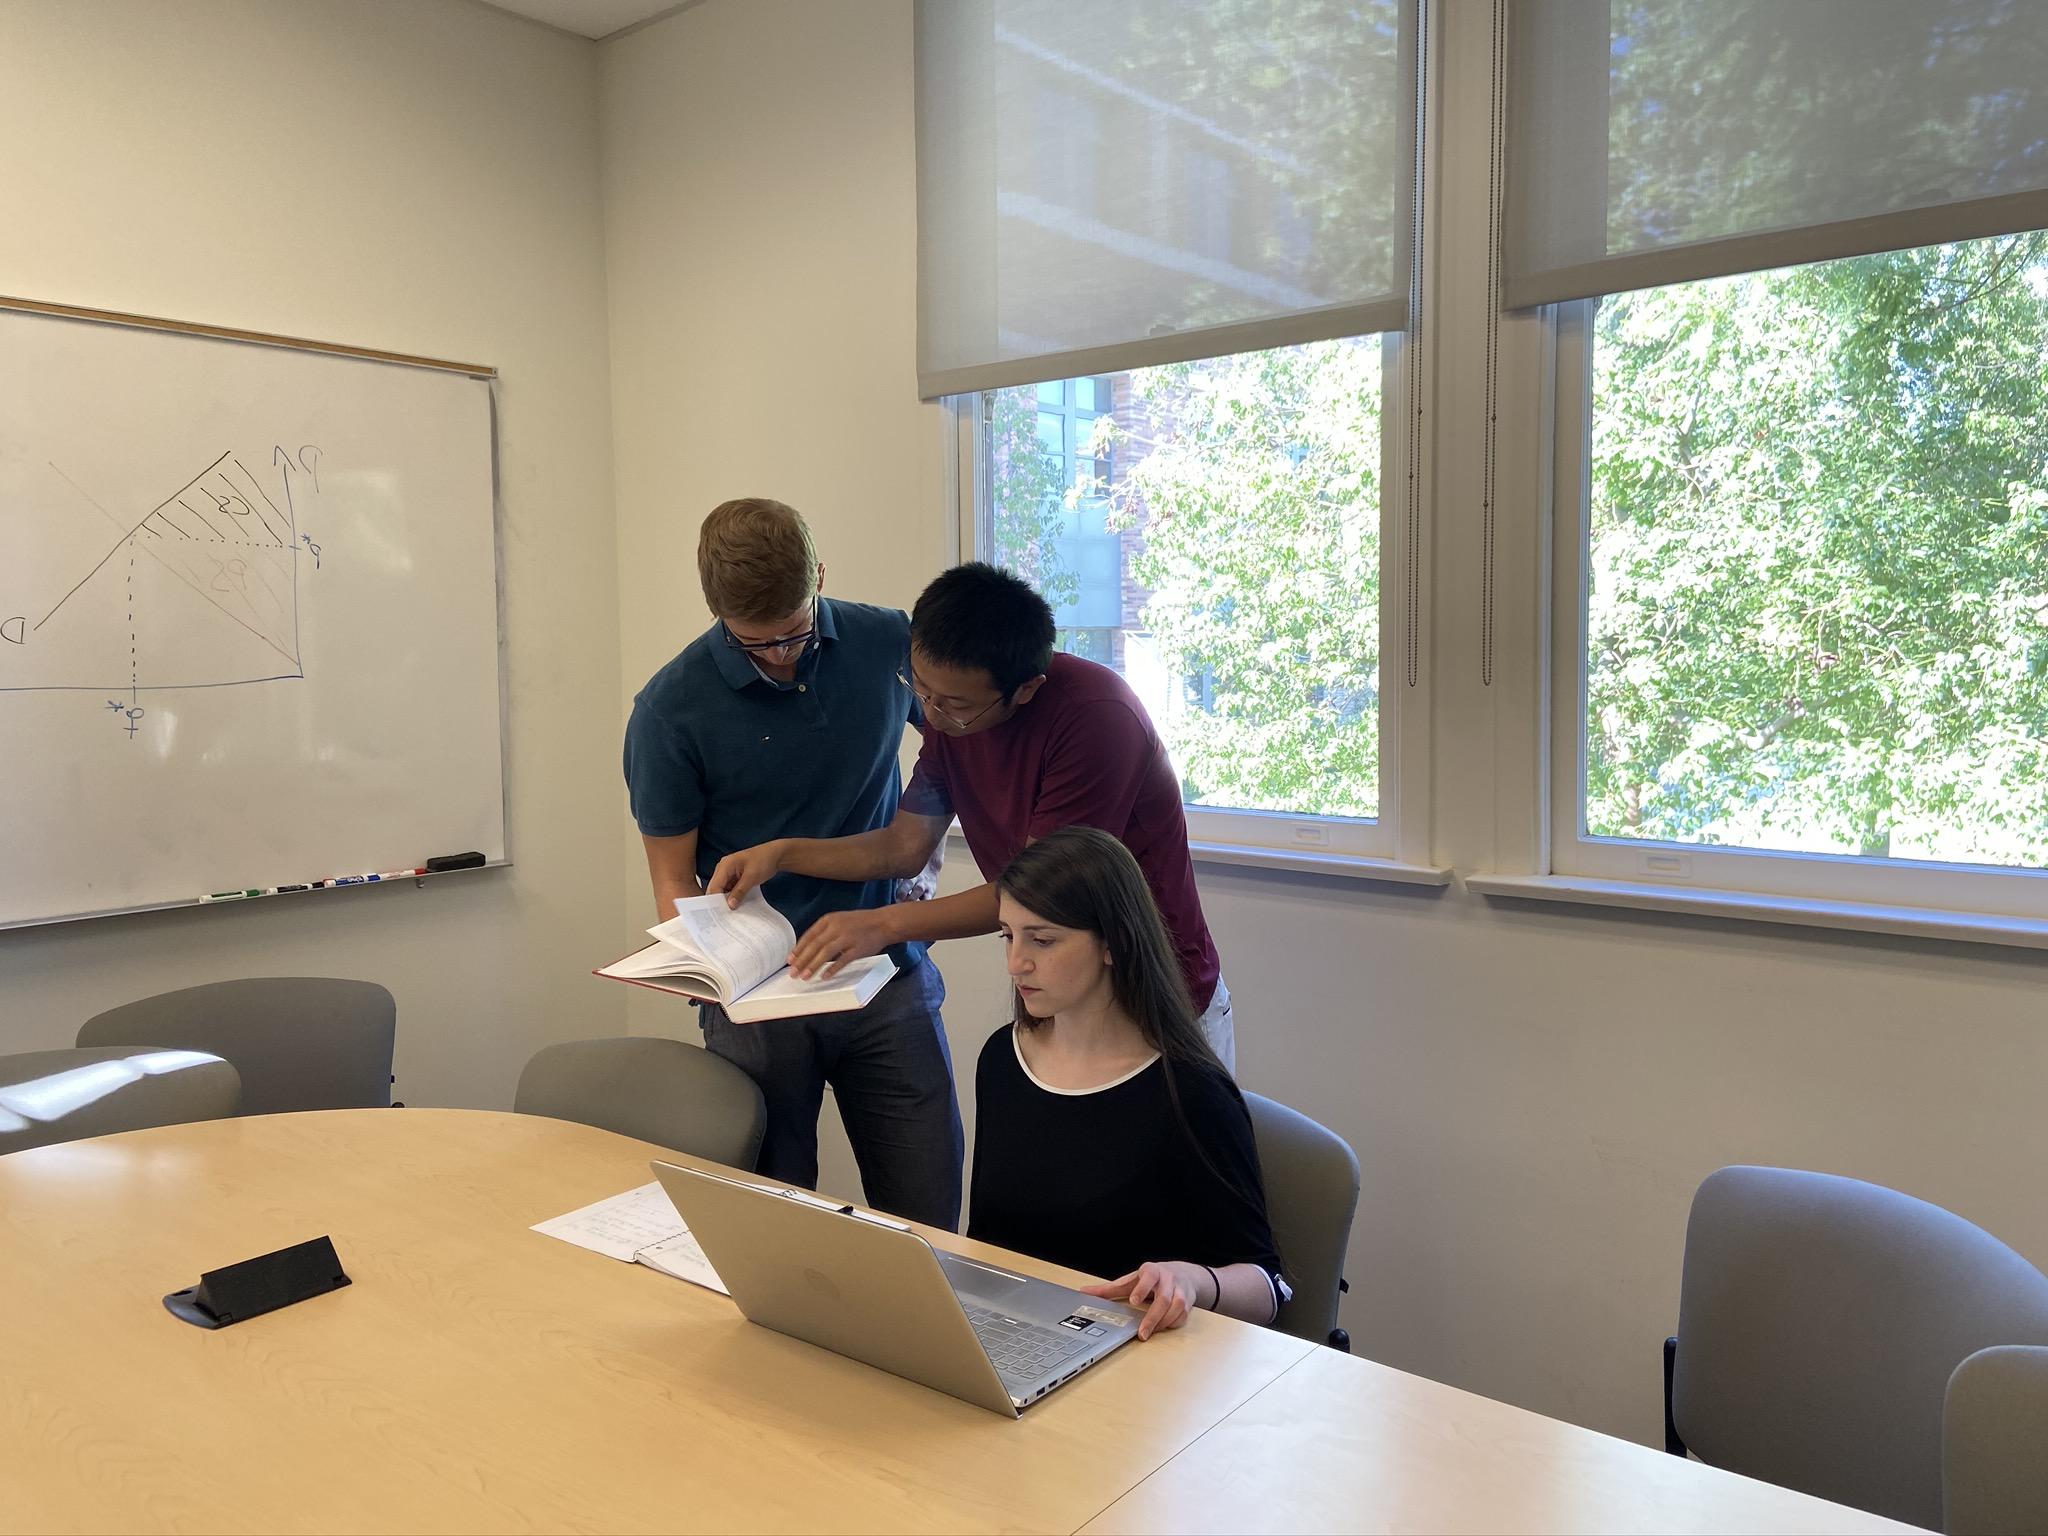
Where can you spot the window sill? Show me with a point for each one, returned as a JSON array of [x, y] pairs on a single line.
[[1747, 906], [1344, 866]]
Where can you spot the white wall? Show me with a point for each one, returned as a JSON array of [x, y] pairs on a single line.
[[760, 212], [415, 177], [1533, 1093], [760, 220]]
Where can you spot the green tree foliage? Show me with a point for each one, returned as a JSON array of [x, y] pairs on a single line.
[[1258, 498], [1818, 558], [1309, 96], [1028, 496], [1250, 489], [1735, 114]]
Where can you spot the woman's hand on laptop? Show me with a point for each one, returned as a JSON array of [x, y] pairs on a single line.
[[1167, 1288]]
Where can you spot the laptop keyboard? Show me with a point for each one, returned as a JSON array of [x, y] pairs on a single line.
[[1023, 1351]]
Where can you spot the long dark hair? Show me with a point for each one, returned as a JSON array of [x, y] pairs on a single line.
[[1085, 879]]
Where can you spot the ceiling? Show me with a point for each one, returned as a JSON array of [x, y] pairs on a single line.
[[588, 18]]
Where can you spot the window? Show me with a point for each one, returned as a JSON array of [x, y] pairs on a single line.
[[1165, 274], [1211, 530], [1807, 557]]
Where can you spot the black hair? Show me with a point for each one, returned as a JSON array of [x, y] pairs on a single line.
[[981, 616]]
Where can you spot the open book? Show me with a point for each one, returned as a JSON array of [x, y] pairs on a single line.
[[734, 956]]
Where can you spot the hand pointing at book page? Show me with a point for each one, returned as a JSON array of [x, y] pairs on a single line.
[[830, 944], [739, 873], [733, 956], [837, 938]]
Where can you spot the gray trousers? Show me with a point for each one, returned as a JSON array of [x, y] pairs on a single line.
[[892, 1078]]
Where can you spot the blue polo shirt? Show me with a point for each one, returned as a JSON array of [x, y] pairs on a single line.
[[716, 747]]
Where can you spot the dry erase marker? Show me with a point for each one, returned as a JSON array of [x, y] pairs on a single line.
[[350, 880], [230, 895], [402, 874], [283, 890]]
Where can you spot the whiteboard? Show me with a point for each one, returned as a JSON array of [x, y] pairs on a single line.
[[249, 629]]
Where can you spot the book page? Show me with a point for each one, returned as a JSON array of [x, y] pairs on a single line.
[[740, 946], [699, 989], [784, 996], [659, 960]]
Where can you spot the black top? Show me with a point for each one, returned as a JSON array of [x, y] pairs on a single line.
[[1106, 1179]]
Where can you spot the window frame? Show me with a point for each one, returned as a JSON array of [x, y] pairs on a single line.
[[1724, 877], [1393, 845]]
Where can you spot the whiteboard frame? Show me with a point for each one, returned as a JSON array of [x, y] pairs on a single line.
[[249, 338], [484, 374]]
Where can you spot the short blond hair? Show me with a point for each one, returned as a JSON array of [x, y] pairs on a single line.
[[756, 560]]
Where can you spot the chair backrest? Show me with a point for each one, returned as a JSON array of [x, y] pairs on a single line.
[[663, 1091], [1819, 1320], [52, 1096], [1311, 1177], [1994, 1443], [300, 1042]]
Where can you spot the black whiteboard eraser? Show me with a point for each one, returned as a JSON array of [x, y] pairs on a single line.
[[447, 861]]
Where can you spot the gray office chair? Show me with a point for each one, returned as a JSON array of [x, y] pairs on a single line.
[[1819, 1321], [1994, 1443], [63, 1095], [299, 1042], [1311, 1194], [663, 1091]]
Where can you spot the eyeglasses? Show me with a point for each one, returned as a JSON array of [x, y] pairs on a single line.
[[794, 642], [924, 698]]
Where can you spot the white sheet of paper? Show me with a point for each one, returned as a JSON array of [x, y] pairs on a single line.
[[619, 1227], [641, 1225], [680, 1256]]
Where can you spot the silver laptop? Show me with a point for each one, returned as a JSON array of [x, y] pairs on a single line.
[[869, 1288]]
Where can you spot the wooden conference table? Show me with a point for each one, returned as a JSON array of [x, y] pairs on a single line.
[[481, 1377]]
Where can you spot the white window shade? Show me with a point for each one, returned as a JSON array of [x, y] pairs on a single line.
[[1663, 141], [1112, 184]]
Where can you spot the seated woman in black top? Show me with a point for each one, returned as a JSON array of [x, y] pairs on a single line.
[[1108, 1136]]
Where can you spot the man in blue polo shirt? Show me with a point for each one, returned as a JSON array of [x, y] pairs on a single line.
[[784, 719]]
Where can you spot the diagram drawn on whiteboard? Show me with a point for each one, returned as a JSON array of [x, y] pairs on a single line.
[[200, 590]]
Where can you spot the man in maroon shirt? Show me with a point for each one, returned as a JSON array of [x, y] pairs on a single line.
[[1018, 742]]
